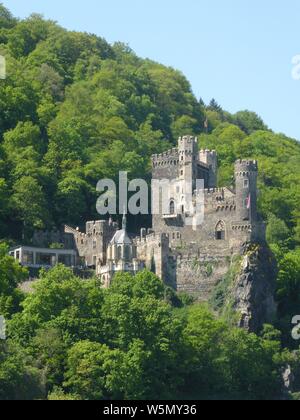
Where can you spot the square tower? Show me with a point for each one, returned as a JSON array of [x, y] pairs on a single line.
[[188, 160]]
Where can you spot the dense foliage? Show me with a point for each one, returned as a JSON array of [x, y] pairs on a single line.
[[75, 340], [74, 109]]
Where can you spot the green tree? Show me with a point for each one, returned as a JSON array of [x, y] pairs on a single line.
[[7, 20], [28, 203], [91, 367], [277, 230], [248, 366], [288, 292], [18, 379], [185, 125], [11, 275], [249, 121], [49, 353]]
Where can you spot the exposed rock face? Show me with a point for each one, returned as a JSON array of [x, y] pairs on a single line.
[[254, 289], [288, 379]]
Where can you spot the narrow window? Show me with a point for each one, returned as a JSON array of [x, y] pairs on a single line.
[[119, 252], [220, 231], [172, 207]]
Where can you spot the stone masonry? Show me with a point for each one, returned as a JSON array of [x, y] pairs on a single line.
[[186, 257]]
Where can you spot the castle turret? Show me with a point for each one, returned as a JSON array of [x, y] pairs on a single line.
[[188, 160], [246, 172], [210, 158]]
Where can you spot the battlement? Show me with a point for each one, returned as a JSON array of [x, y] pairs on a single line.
[[73, 231], [190, 257], [97, 226], [215, 192], [243, 165], [170, 157], [187, 147], [151, 237], [93, 228], [187, 140], [211, 191], [207, 152]]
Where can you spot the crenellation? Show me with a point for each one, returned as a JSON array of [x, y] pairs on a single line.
[[230, 219], [188, 257]]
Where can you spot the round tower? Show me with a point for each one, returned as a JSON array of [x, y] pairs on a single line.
[[246, 172]]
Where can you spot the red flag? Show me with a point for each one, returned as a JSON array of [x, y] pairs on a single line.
[[249, 202]]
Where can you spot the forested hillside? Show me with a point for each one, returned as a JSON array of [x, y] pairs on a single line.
[[73, 110]]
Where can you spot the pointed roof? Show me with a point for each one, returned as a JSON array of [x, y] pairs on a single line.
[[121, 237], [124, 222]]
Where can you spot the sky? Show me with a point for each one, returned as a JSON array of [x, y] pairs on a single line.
[[239, 52]]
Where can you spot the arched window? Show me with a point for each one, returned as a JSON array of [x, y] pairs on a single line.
[[119, 252], [127, 252], [172, 207], [221, 231]]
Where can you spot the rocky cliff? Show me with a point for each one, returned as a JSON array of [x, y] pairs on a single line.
[[253, 290]]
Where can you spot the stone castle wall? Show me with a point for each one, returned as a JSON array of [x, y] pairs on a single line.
[[166, 165], [200, 256], [92, 245], [154, 250], [188, 258], [44, 239], [198, 273]]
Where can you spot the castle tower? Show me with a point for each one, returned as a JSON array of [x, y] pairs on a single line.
[[188, 161], [210, 158], [246, 172]]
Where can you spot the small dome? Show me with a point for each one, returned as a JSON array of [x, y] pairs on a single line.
[[121, 238]]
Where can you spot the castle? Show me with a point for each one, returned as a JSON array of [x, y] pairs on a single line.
[[186, 258]]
